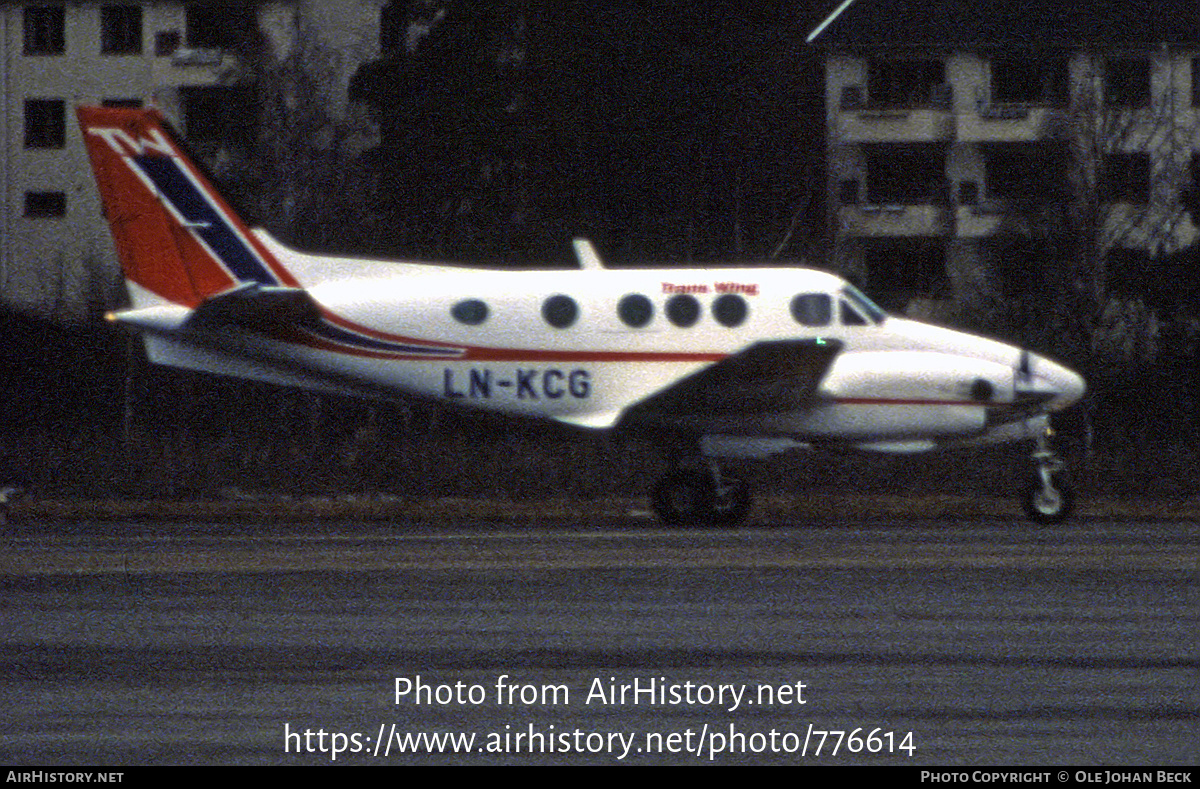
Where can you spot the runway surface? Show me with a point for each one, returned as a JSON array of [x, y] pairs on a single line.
[[925, 642]]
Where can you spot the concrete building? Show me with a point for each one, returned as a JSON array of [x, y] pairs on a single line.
[[951, 123], [194, 61]]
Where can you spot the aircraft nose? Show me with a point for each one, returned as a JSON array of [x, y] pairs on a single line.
[[1064, 385]]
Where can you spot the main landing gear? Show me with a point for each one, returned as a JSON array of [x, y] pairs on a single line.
[[701, 496], [695, 493], [1049, 498]]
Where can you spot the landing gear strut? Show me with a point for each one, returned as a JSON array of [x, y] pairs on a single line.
[[690, 496], [1049, 498]]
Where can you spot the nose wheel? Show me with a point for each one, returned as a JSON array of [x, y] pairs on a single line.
[[1049, 497], [695, 497]]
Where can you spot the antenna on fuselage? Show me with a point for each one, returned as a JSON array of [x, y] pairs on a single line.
[[586, 254]]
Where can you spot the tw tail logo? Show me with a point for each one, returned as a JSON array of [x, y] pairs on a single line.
[[125, 145]]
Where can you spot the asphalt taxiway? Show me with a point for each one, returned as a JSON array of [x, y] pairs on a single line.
[[980, 642]]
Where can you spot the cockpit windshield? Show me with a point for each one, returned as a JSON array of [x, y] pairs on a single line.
[[864, 304]]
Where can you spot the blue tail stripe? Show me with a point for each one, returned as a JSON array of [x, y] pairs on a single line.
[[176, 187], [331, 332], [231, 249]]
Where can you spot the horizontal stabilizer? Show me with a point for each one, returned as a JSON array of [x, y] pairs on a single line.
[[257, 307], [169, 352]]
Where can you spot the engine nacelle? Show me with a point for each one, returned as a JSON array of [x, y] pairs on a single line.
[[896, 394]]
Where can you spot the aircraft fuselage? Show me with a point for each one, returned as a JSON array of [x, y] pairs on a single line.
[[583, 346]]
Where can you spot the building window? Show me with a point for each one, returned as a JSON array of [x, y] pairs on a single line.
[[905, 83], [128, 103], [1030, 80], [1025, 171], [1190, 194], [1127, 82], [43, 205], [166, 42], [44, 30], [1196, 82], [848, 191], [120, 30], [45, 123], [907, 174], [1126, 178], [218, 25]]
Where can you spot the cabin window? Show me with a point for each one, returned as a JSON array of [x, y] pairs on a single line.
[[635, 310], [812, 309], [851, 316], [848, 191], [472, 312], [730, 310], [862, 304], [560, 311], [683, 310]]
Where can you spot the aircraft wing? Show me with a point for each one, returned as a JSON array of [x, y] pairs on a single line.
[[771, 376]]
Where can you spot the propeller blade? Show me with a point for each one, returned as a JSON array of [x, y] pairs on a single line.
[[1024, 370]]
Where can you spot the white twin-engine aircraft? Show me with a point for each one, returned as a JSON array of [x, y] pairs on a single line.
[[720, 363]]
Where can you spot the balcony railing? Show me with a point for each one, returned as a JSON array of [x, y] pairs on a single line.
[[193, 66], [926, 119], [895, 220], [1010, 123], [211, 58]]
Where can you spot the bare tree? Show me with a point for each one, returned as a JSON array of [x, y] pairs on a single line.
[[308, 187], [1098, 217]]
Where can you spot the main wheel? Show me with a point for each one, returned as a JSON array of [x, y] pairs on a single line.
[[684, 498], [692, 498], [731, 504], [1052, 504]]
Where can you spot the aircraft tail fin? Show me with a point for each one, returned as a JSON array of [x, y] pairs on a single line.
[[179, 242]]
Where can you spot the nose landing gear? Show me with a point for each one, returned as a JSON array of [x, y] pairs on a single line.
[[1049, 497]]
